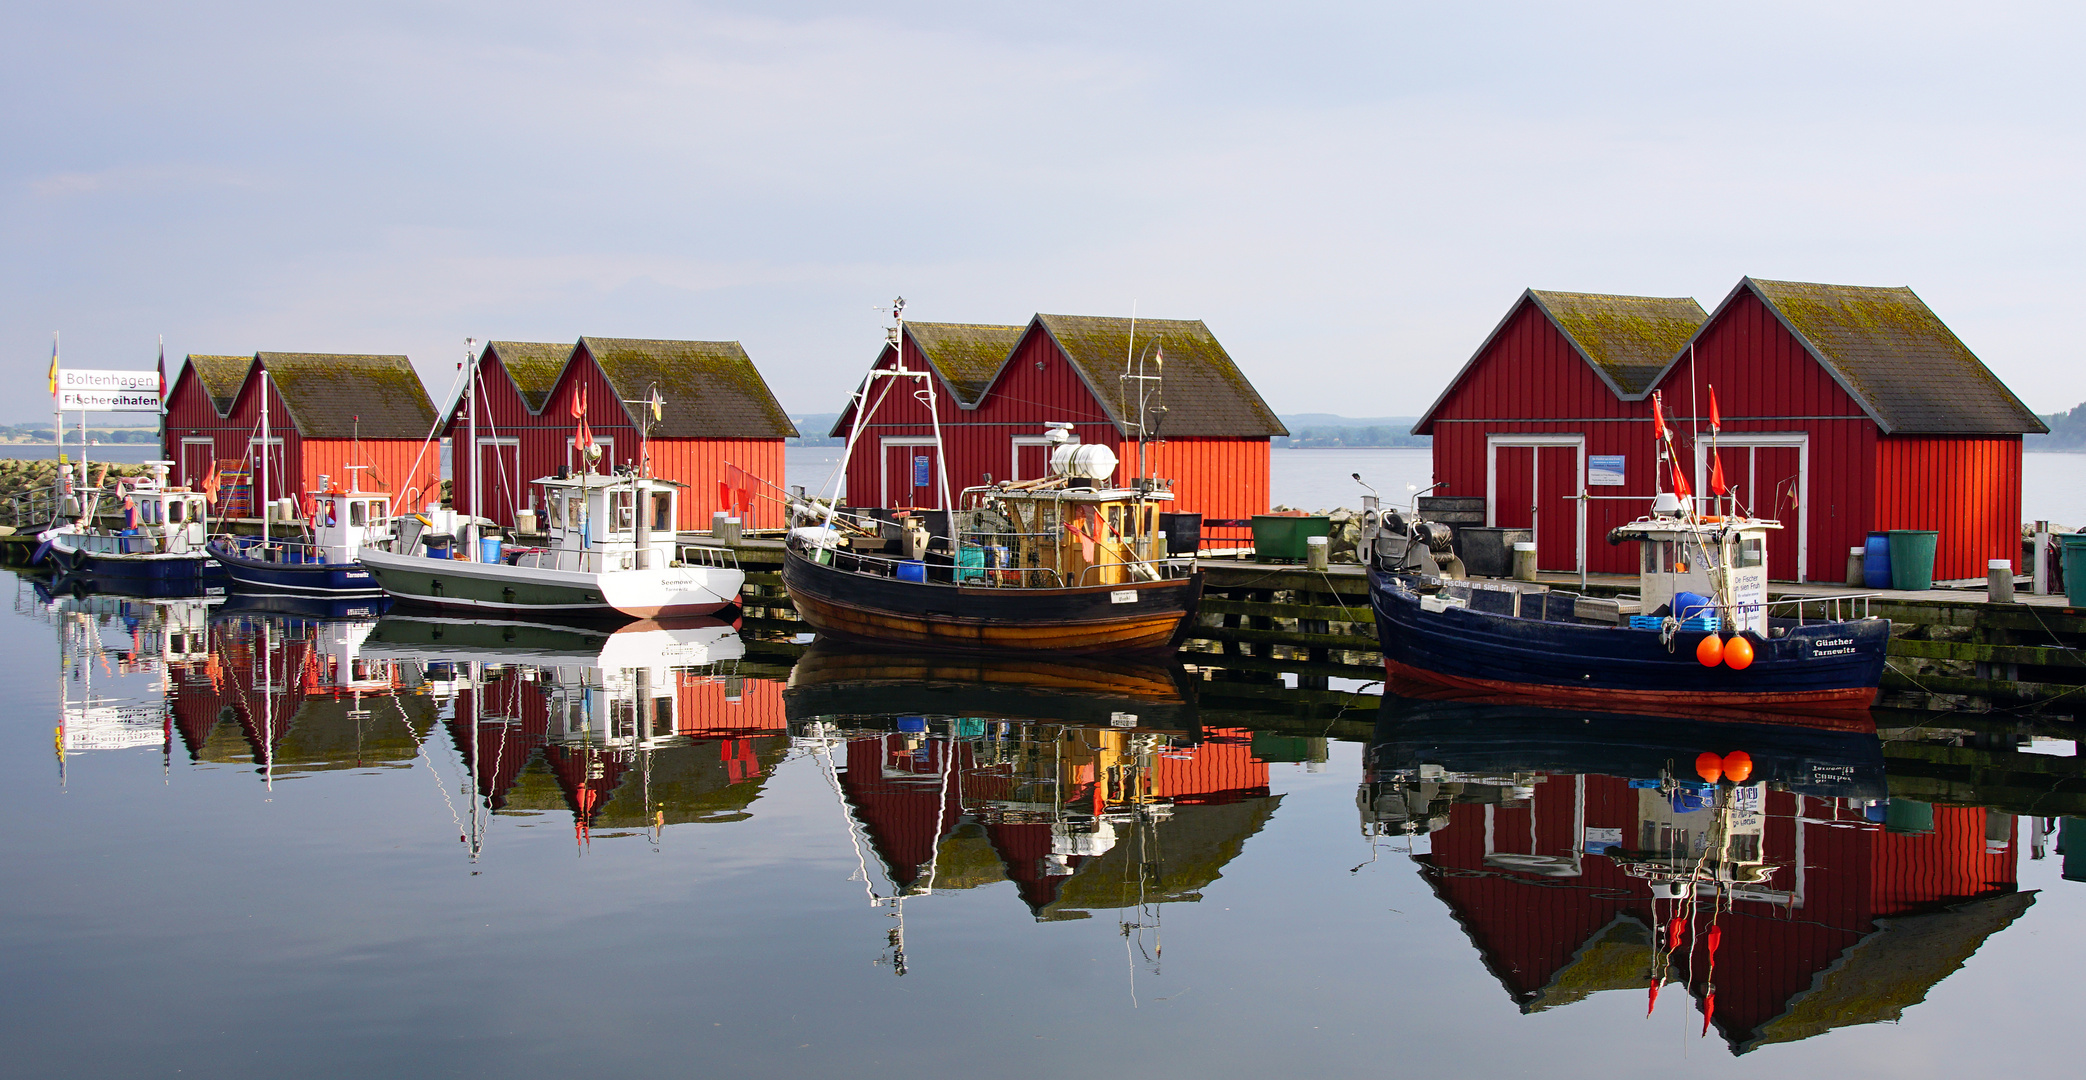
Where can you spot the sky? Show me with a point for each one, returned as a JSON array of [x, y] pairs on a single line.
[[1350, 195]]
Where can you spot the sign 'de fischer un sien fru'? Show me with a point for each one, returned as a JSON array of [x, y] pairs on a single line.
[[86, 390]]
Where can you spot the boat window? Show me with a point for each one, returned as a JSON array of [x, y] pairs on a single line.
[[174, 510], [624, 512], [663, 510], [554, 507], [1654, 556], [1752, 551], [1115, 520], [358, 513]]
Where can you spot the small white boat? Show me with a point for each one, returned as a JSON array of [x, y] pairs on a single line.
[[611, 551]]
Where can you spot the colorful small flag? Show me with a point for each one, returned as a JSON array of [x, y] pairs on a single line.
[[1716, 419], [54, 365], [162, 373]]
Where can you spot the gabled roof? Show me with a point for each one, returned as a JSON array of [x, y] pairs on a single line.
[[221, 377], [1894, 357], [966, 355], [711, 388], [1627, 340], [339, 396], [534, 367], [1204, 393]]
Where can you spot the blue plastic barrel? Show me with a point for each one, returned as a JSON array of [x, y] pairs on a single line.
[[1875, 561], [489, 549], [912, 570]]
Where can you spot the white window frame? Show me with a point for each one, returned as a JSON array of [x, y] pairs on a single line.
[[1014, 469], [1753, 440], [182, 464], [883, 463], [1493, 444], [572, 461], [276, 467]]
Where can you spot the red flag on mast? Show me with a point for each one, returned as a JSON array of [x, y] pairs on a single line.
[[1716, 474], [583, 440], [1658, 417], [1716, 419]]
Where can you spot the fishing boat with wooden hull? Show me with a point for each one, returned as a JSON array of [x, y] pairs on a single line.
[[1068, 563], [1704, 639], [854, 681]]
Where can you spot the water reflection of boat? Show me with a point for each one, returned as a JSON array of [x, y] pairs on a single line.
[[92, 582], [647, 643], [1763, 869], [1087, 786], [1493, 739], [831, 679], [307, 607]]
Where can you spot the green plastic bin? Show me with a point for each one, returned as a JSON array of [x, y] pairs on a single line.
[[1912, 559], [2075, 568], [1279, 537]]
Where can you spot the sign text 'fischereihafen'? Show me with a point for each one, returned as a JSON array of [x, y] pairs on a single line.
[[87, 390]]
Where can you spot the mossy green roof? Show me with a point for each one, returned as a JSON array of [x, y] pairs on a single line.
[[1173, 861], [1897, 359], [221, 377], [711, 389], [967, 355], [1627, 339], [340, 396], [1204, 393], [534, 367], [1889, 971]]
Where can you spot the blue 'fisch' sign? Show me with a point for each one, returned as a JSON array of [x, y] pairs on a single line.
[[921, 477]]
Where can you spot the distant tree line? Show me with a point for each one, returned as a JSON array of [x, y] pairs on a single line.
[[2067, 432], [1376, 435], [32, 433]]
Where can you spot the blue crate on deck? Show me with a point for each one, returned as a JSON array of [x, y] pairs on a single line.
[[1701, 624]]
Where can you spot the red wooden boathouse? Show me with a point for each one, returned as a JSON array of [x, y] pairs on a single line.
[[1852, 925], [326, 411], [720, 428], [199, 403], [1002, 387], [1845, 410]]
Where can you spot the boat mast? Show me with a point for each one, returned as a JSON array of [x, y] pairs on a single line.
[[264, 457], [471, 388]]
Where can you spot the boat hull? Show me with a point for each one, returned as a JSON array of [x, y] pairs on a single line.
[[325, 581], [1146, 693], [189, 568], [456, 585], [879, 610], [1821, 668]]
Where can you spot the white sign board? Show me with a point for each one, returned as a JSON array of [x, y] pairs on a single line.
[[1604, 470], [84, 390]]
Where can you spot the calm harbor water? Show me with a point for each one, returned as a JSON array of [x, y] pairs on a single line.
[[253, 845]]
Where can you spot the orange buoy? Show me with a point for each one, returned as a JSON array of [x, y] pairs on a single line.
[[1738, 653], [1709, 767], [1710, 650], [1737, 765]]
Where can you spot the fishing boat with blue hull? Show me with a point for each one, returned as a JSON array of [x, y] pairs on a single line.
[[1702, 635], [326, 563], [160, 543]]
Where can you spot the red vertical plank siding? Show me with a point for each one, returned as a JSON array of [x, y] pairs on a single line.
[[1529, 380], [545, 446], [396, 466], [1968, 489], [1215, 477], [712, 707]]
